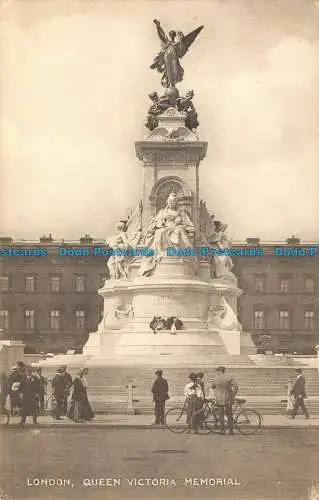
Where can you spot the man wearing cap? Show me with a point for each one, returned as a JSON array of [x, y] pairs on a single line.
[[160, 396], [299, 392], [225, 391]]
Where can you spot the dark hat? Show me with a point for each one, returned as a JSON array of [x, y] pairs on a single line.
[[200, 375], [159, 372], [192, 376], [221, 369], [299, 370]]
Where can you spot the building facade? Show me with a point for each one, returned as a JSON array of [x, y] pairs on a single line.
[[50, 301], [280, 297]]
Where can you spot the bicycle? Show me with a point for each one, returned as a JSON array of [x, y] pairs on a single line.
[[246, 420], [176, 419]]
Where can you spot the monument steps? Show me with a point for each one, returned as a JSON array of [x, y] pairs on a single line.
[[262, 386]]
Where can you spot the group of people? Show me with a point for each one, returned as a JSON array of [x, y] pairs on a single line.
[[80, 409], [26, 389], [223, 390]]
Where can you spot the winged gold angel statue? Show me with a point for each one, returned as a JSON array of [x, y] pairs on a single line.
[[174, 47]]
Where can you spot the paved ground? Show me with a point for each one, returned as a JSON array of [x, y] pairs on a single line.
[[146, 421], [275, 464]]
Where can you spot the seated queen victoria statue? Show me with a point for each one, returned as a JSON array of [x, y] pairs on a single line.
[[170, 228]]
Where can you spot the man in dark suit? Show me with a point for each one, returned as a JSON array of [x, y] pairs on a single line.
[[30, 391], [299, 392], [225, 391], [67, 384], [160, 395]]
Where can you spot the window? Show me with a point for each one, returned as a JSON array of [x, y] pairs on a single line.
[[259, 320], [4, 320], [309, 284], [4, 283], [80, 284], [29, 320], [259, 283], [284, 285], [80, 319], [284, 320], [309, 320], [30, 284], [55, 283], [55, 320]]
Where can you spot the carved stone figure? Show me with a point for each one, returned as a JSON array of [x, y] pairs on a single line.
[[186, 105], [128, 235], [174, 47], [117, 263], [170, 228], [222, 264], [223, 317], [159, 105]]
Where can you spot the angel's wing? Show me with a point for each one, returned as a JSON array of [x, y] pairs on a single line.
[[134, 225], [206, 223], [158, 62], [189, 39]]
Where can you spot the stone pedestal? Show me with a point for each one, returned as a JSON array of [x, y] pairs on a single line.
[[173, 290]]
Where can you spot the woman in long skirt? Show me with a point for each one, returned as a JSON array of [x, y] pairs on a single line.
[[80, 410]]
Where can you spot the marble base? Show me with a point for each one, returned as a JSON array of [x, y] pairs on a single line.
[[173, 290]]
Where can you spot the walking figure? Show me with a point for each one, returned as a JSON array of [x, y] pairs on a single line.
[[299, 392]]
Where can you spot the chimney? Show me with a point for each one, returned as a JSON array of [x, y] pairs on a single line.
[[253, 241], [86, 239], [293, 240], [46, 239]]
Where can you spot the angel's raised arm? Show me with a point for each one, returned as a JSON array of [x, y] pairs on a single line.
[[160, 31]]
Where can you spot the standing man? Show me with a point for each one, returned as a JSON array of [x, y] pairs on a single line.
[[67, 384], [30, 390], [58, 394], [160, 396], [299, 392], [42, 383], [225, 391]]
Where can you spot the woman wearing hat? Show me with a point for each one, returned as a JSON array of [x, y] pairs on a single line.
[[80, 410], [194, 398], [14, 381]]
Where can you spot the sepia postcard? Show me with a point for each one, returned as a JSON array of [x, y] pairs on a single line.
[[159, 250]]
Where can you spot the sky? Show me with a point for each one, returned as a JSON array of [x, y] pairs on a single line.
[[75, 80]]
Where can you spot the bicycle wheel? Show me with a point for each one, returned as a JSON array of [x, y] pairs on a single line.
[[204, 421], [248, 421], [176, 419]]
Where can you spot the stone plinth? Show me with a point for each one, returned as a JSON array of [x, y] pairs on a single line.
[[173, 290]]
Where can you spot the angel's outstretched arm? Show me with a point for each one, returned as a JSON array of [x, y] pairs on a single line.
[[160, 31]]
